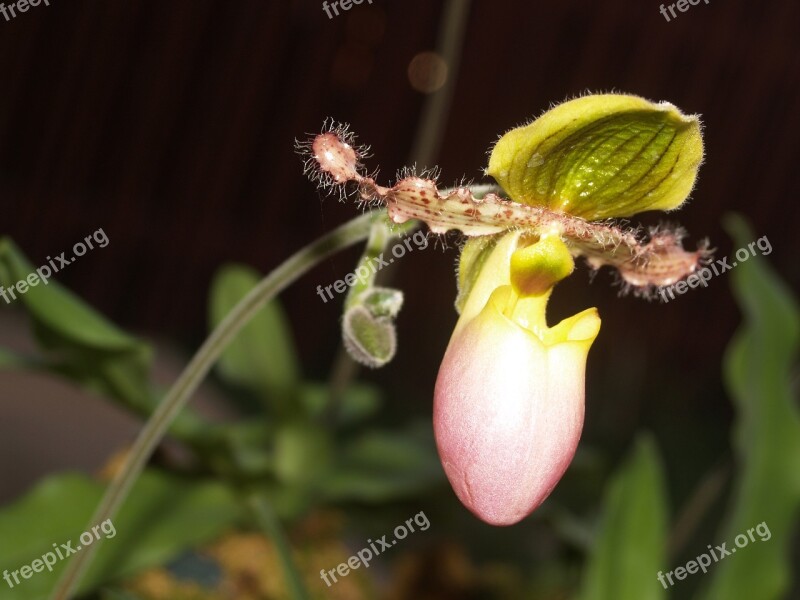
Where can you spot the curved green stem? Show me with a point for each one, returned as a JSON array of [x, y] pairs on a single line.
[[344, 368], [269, 523], [156, 427]]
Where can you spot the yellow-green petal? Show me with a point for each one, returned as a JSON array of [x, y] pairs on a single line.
[[601, 156]]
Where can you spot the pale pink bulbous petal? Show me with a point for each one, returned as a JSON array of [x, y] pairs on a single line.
[[508, 412]]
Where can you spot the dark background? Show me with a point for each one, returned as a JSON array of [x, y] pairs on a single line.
[[170, 125]]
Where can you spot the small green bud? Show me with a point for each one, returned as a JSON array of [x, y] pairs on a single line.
[[601, 156], [370, 340]]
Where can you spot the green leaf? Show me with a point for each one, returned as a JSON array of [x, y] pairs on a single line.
[[630, 548], [357, 402], [60, 313], [601, 156], [163, 516], [242, 448], [262, 358], [303, 451], [115, 594], [758, 372], [62, 321], [383, 466], [82, 345]]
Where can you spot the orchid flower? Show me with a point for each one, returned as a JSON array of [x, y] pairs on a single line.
[[509, 398]]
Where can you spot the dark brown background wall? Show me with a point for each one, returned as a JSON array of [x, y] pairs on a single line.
[[170, 125]]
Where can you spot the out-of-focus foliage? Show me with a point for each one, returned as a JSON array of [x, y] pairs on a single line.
[[77, 342], [262, 357], [297, 450], [631, 546], [766, 436], [164, 516]]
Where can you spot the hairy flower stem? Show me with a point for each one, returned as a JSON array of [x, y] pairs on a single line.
[[156, 427], [644, 263]]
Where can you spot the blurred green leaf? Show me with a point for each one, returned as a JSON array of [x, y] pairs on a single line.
[[243, 448], [291, 502], [114, 594], [631, 547], [59, 313], [303, 452], [766, 437], [356, 403], [163, 516], [262, 358], [381, 466], [82, 345], [75, 333]]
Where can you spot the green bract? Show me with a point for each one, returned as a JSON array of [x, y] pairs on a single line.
[[601, 156]]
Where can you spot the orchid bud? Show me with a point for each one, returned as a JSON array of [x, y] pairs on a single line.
[[509, 397], [368, 330]]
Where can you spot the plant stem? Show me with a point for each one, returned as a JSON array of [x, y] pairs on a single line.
[[269, 523], [156, 427], [699, 503], [450, 43]]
